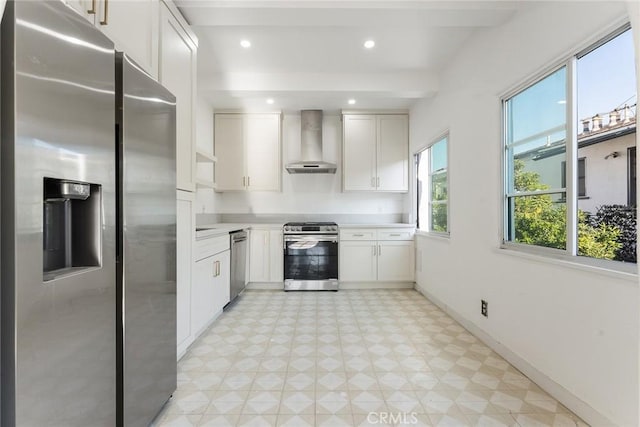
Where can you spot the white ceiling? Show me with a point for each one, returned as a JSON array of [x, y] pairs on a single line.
[[310, 54]]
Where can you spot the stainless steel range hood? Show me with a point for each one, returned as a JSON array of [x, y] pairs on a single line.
[[311, 146]]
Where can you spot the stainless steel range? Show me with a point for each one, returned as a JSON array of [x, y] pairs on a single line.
[[311, 256]]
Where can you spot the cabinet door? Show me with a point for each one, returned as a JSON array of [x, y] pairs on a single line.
[[222, 280], [393, 153], [259, 256], [229, 149], [262, 150], [357, 261], [177, 73], [396, 261], [185, 226], [359, 153], [276, 256], [203, 305], [133, 27]]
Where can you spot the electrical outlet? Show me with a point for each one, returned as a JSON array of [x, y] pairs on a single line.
[[484, 308]]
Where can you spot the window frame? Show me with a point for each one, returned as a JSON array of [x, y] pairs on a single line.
[[569, 254], [426, 149]]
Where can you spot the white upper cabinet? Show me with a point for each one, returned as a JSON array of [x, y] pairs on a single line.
[[262, 148], [359, 153], [178, 56], [375, 152], [132, 25], [248, 148], [393, 153], [229, 149]]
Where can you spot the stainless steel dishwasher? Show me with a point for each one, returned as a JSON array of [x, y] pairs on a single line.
[[238, 262]]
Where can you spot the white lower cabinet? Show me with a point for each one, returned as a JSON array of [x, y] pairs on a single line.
[[209, 277], [203, 294], [266, 255], [357, 261], [396, 261], [365, 257], [210, 292], [185, 234], [276, 256]]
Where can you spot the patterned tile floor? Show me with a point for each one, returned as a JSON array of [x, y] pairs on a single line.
[[350, 358]]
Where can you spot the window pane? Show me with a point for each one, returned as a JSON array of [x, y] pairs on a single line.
[[607, 109], [439, 186], [536, 134], [439, 217], [539, 220], [439, 155]]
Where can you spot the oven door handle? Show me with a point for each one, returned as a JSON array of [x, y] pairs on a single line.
[[313, 237]]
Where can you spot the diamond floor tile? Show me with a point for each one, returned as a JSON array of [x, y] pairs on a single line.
[[350, 358]]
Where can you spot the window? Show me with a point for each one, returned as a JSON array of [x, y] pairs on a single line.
[[433, 187], [546, 154], [582, 183]]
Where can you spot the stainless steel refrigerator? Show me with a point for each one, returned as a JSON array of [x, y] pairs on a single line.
[[87, 220]]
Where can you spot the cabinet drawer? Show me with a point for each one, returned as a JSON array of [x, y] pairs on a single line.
[[207, 247], [396, 234], [358, 234]]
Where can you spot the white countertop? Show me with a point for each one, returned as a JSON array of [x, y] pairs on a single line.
[[221, 228], [391, 225]]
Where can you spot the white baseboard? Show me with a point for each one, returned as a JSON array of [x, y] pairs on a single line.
[[186, 344], [266, 286], [376, 285], [561, 394]]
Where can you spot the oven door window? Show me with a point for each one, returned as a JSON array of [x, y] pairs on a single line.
[[310, 260]]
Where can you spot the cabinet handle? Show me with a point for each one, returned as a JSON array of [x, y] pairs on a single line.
[[378, 182], [106, 13], [358, 235], [395, 234], [243, 181], [373, 250], [379, 250], [373, 182], [248, 181], [92, 11]]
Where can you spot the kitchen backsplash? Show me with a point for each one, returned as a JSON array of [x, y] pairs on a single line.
[[249, 218]]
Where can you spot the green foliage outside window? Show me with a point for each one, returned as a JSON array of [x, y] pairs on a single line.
[[540, 221]]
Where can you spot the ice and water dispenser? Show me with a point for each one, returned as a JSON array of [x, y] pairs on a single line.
[[72, 223]]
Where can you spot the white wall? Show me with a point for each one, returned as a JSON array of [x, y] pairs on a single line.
[[311, 193], [574, 329], [606, 179]]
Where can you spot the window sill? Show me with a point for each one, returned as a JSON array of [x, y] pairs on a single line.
[[433, 235], [619, 270]]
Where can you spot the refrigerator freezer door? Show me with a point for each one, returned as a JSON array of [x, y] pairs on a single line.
[[147, 200], [58, 118]]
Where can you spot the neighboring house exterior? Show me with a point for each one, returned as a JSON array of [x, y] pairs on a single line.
[[606, 165]]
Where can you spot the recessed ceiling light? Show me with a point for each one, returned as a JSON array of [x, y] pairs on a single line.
[[245, 44], [351, 101], [270, 101], [369, 44]]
